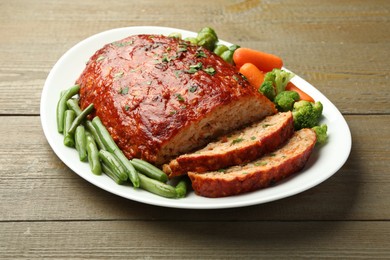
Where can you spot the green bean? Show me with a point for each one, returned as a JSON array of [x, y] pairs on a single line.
[[61, 106], [111, 146], [113, 163], [181, 188], [95, 135], [93, 154], [81, 142], [111, 174], [68, 120], [77, 121], [149, 170], [73, 104], [157, 187]]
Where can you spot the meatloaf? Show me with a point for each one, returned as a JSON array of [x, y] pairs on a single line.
[[260, 173], [238, 147], [160, 96]]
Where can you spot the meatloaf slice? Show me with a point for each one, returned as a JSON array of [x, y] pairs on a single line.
[[238, 147], [260, 173], [160, 96]]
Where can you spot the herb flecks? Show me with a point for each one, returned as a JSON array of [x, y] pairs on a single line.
[[237, 140], [178, 73], [119, 75], [193, 88], [200, 53], [124, 91], [195, 68], [210, 70], [261, 164], [179, 97]]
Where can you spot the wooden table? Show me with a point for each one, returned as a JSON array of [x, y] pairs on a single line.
[[340, 46]]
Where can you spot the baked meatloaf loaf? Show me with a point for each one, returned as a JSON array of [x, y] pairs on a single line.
[[160, 96], [260, 173], [238, 147]]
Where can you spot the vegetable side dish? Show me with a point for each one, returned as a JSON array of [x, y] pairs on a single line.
[[150, 108]]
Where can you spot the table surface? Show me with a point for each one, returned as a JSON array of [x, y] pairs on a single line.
[[340, 46]]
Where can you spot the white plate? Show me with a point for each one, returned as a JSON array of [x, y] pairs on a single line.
[[324, 162]]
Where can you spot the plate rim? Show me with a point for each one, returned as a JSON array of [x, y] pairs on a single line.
[[151, 199]]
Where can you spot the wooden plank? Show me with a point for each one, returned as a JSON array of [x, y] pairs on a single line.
[[194, 240], [36, 185], [323, 42]]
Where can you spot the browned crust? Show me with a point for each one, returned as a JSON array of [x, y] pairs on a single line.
[[211, 162], [260, 177]]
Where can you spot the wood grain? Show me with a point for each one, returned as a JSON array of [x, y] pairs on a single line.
[[173, 240], [340, 46], [35, 185], [321, 42]]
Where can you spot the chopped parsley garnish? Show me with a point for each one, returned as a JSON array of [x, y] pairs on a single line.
[[210, 70], [124, 91], [238, 140], [193, 88], [200, 53], [119, 75], [180, 97], [177, 73], [253, 138], [194, 68], [127, 107], [261, 164]]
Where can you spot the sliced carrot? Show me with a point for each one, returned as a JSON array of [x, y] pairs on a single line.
[[302, 95], [263, 61], [254, 76]]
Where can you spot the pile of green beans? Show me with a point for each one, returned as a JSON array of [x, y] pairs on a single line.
[[95, 145]]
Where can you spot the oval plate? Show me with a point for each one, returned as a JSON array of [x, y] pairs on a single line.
[[324, 162]]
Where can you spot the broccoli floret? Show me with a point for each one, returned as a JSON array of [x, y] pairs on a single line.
[[306, 114], [207, 38], [321, 133], [268, 90], [285, 100], [279, 79]]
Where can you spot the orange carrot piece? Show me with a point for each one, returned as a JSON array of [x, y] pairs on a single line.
[[263, 61], [302, 95], [254, 76]]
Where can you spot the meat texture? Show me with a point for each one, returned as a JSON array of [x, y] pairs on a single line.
[[160, 97], [260, 173], [238, 147]]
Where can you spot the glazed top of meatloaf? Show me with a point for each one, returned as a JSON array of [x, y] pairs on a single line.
[[145, 88]]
